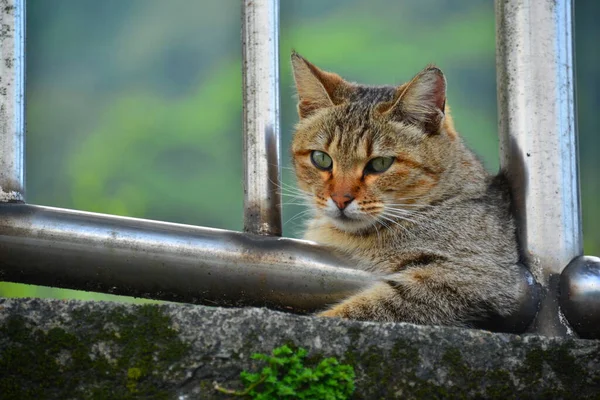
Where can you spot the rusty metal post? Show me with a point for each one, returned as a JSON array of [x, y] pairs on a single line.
[[12, 101], [260, 38], [538, 139]]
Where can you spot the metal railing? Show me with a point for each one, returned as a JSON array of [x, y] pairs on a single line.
[[103, 253], [110, 254]]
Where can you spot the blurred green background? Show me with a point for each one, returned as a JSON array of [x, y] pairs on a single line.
[[134, 106]]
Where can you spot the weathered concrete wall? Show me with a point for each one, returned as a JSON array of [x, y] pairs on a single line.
[[78, 350]]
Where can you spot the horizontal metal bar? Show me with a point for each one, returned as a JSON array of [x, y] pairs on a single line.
[[260, 47], [134, 257], [12, 101], [538, 138]]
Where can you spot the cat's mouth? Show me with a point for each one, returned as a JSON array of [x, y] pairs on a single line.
[[349, 222], [349, 219], [344, 217]]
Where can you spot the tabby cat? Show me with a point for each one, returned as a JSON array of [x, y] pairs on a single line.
[[394, 188]]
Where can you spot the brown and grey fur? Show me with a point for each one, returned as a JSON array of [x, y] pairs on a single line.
[[448, 252]]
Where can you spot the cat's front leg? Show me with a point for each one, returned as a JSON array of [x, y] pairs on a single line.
[[437, 294], [364, 306]]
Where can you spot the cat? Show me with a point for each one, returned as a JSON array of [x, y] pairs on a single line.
[[394, 188]]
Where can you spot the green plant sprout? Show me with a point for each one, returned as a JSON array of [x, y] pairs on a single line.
[[286, 376]]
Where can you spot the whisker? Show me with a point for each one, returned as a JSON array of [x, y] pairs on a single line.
[[374, 225], [395, 222], [281, 166], [403, 217], [406, 212], [298, 215], [387, 207], [284, 186], [297, 202], [296, 196], [410, 205], [385, 225], [290, 191], [414, 197], [396, 213], [287, 185]]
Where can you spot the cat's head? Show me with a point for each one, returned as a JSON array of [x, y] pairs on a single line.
[[370, 155]]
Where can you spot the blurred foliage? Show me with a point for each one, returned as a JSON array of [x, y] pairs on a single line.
[[134, 107]]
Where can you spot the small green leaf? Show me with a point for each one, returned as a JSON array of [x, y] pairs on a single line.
[[286, 376]]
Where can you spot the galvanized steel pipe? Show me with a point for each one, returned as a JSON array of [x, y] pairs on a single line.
[[12, 101], [538, 138], [260, 46], [142, 258]]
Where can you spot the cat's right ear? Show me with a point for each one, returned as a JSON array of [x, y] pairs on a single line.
[[316, 88], [422, 101]]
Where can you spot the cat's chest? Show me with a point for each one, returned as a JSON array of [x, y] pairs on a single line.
[[376, 253]]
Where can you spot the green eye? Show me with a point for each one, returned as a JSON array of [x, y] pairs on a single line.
[[321, 160], [379, 164]]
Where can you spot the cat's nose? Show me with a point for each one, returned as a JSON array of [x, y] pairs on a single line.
[[342, 200]]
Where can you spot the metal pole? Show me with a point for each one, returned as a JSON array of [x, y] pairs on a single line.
[[135, 257], [262, 199], [538, 140], [12, 101]]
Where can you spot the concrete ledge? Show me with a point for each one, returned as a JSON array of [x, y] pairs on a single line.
[[69, 349]]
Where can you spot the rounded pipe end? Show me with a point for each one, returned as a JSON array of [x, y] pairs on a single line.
[[580, 295]]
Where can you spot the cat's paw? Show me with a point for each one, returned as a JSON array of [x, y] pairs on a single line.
[[334, 312]]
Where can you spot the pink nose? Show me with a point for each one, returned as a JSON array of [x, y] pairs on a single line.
[[342, 200]]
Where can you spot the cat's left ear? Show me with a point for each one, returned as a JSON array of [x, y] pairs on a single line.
[[421, 101], [316, 88]]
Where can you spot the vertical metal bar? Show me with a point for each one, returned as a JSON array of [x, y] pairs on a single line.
[[12, 101], [262, 199], [538, 138]]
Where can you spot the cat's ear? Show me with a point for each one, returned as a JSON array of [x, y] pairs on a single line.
[[316, 88], [421, 101]]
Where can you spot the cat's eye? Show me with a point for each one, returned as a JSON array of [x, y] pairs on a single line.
[[321, 160], [379, 164]]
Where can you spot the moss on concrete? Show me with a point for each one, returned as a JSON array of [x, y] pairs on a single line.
[[462, 381], [89, 350], [119, 354]]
